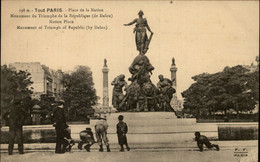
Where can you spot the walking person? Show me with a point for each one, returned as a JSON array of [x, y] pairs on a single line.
[[101, 133], [121, 130], [60, 125], [15, 116]]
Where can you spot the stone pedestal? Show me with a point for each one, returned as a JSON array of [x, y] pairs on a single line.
[[155, 128]]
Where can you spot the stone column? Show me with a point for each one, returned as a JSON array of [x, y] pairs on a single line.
[[105, 71], [173, 69]]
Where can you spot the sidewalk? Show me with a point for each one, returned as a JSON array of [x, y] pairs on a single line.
[[133, 156], [188, 146]]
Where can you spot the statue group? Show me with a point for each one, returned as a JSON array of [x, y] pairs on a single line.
[[142, 94]]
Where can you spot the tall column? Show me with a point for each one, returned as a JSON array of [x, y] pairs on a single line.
[[173, 69], [105, 71]]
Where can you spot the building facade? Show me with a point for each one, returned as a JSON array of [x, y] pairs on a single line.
[[45, 80]]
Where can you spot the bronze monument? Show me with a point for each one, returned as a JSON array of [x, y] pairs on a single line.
[[141, 39], [118, 83], [142, 94]]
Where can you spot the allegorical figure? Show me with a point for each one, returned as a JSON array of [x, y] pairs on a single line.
[[140, 69], [118, 83], [141, 39], [15, 116], [166, 90]]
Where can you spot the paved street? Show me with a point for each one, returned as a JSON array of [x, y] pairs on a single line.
[[133, 156], [179, 152], [189, 145]]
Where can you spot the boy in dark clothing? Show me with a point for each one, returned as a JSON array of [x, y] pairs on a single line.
[[121, 130], [204, 140], [87, 137]]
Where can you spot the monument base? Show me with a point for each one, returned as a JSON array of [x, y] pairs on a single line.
[[159, 129], [155, 127]]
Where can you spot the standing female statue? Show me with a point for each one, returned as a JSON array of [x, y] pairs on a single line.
[[141, 39]]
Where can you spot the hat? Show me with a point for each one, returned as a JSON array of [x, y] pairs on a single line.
[[88, 129], [140, 12], [103, 116]]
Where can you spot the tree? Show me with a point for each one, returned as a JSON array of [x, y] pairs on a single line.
[[15, 85], [238, 88], [80, 94], [193, 97], [234, 88], [253, 84], [47, 104]]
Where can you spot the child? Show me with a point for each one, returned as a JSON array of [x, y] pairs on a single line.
[[68, 142], [204, 140], [87, 137], [122, 129], [101, 127]]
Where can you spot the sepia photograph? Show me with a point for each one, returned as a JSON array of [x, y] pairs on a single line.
[[133, 81]]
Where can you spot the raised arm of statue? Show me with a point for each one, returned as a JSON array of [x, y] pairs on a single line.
[[131, 23]]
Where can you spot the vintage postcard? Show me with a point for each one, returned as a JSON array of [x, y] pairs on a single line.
[[146, 80]]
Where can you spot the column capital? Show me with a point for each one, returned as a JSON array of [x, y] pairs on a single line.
[[173, 68], [105, 69]]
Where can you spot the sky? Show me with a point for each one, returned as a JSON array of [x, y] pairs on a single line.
[[202, 36]]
